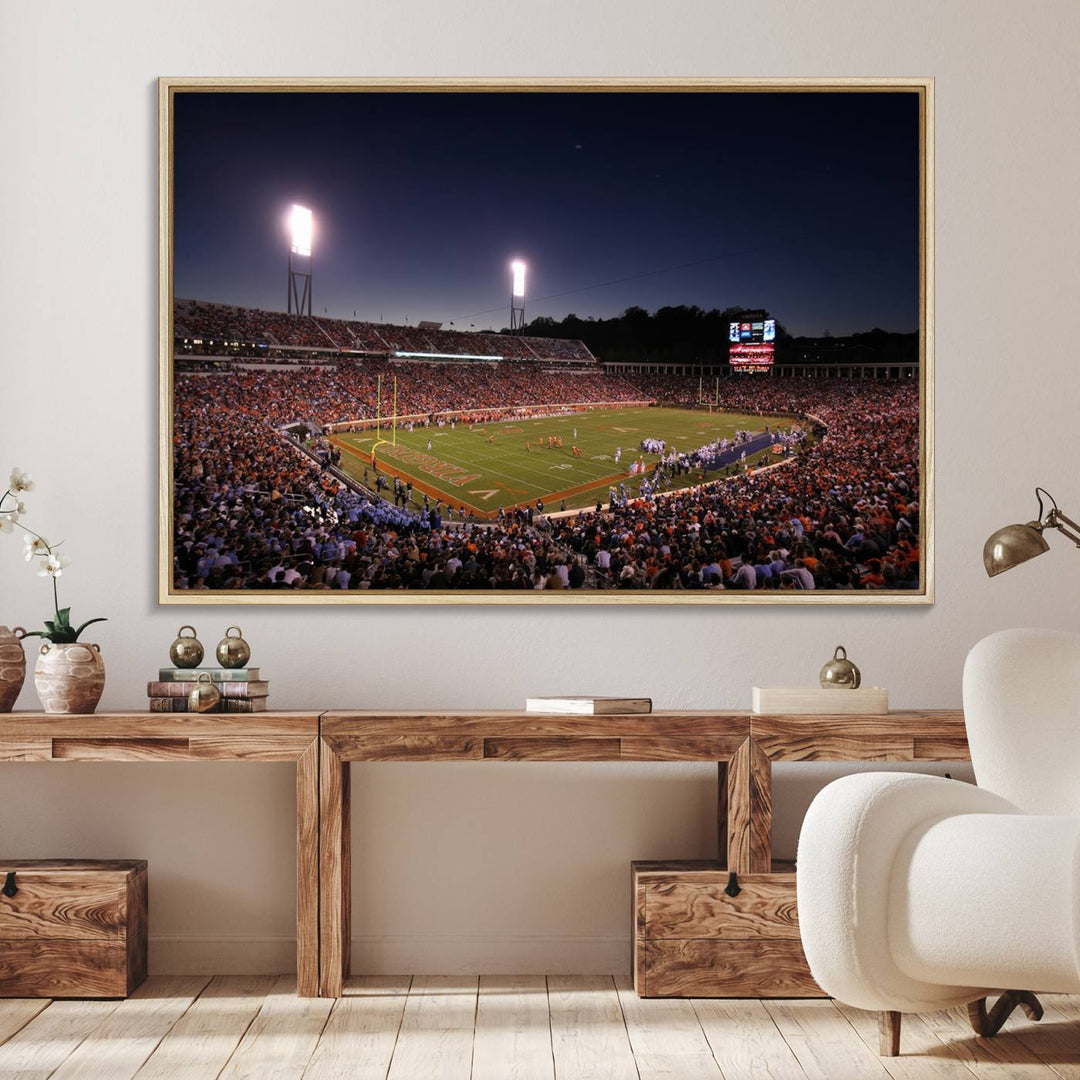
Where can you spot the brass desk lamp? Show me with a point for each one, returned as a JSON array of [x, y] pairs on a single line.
[[1014, 544]]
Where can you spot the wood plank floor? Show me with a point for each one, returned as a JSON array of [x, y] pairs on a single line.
[[525, 1027]]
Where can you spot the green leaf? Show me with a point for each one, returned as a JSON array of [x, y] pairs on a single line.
[[50, 625], [86, 624], [63, 616]]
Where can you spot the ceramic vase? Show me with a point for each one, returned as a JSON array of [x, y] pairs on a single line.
[[69, 678], [12, 666]]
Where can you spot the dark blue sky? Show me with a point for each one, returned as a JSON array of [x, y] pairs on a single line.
[[804, 204]]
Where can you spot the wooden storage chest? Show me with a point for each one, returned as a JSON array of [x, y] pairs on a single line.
[[693, 939], [71, 928]]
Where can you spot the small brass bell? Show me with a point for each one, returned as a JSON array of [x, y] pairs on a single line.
[[840, 673], [233, 652], [204, 696], [186, 652]]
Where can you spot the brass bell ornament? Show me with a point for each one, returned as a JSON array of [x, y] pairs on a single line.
[[204, 696], [186, 651], [840, 673], [233, 652]]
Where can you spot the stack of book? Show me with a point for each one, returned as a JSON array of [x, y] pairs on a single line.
[[241, 689]]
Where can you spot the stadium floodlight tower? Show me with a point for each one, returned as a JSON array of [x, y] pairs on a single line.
[[517, 297], [301, 227]]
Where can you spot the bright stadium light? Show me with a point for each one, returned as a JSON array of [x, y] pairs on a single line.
[[301, 229], [517, 296], [300, 226], [517, 268]]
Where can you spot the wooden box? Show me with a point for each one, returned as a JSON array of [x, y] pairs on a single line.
[[72, 928], [691, 939]]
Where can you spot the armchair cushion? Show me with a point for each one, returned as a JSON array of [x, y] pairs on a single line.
[[987, 899], [853, 833]]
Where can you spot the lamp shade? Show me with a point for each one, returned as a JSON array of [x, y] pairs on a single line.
[[1012, 545]]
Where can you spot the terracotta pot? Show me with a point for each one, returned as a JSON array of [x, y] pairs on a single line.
[[69, 678], [12, 666]]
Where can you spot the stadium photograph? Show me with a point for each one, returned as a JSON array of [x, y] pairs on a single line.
[[545, 343]]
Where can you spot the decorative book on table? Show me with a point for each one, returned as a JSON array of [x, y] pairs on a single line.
[[228, 705], [241, 689], [230, 689], [218, 674], [588, 706]]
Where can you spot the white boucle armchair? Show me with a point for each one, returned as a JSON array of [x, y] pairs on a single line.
[[918, 893]]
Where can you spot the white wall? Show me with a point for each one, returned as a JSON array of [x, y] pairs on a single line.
[[494, 867]]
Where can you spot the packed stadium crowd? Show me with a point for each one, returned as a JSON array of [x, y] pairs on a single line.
[[351, 391], [221, 323], [844, 514], [253, 511]]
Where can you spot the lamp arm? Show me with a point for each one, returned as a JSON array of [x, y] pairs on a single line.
[[1057, 520]]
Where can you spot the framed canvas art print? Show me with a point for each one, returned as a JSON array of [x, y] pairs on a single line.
[[528, 341]]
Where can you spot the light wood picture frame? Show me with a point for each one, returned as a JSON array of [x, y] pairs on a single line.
[[275, 424]]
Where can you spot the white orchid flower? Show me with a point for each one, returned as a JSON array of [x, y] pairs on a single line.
[[7, 521], [20, 481], [34, 545], [53, 566]]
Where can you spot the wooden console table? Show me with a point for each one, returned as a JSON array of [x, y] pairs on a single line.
[[323, 745], [498, 736], [261, 737], [743, 745]]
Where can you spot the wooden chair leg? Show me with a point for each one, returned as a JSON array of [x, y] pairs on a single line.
[[976, 1011], [988, 1024], [889, 1033]]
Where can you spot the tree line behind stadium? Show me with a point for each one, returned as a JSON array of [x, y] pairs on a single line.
[[686, 332]]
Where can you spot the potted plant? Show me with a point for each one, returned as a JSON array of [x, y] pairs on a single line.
[[69, 674]]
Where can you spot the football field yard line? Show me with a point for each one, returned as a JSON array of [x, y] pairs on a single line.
[[516, 476], [481, 455], [484, 454], [484, 512], [476, 457], [583, 462], [471, 460], [455, 498], [418, 484], [468, 463], [543, 473]]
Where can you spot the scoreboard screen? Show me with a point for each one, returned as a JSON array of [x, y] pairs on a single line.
[[754, 332], [752, 344]]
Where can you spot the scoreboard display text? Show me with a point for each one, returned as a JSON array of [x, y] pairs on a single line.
[[752, 344]]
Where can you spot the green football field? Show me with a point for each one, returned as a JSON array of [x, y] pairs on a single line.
[[505, 464]]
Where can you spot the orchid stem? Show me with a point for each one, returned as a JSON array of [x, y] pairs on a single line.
[[20, 525], [48, 548]]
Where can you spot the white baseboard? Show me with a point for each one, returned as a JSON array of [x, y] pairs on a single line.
[[430, 954]]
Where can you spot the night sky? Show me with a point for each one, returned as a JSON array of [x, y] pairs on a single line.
[[803, 204]]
